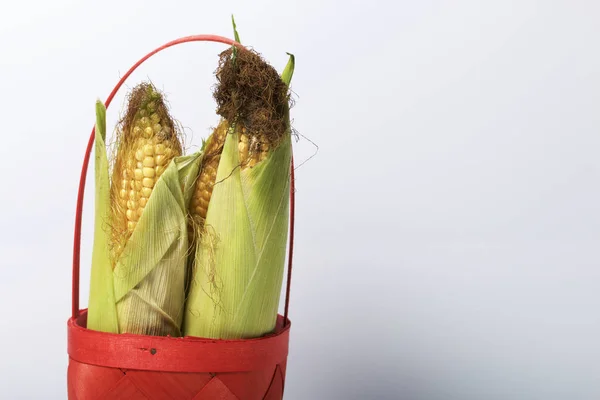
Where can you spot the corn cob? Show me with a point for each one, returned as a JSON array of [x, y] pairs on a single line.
[[208, 173], [252, 150], [146, 144], [242, 197]]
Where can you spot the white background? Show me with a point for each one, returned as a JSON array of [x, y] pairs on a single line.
[[447, 230]]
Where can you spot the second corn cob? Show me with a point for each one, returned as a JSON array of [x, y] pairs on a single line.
[[241, 203]]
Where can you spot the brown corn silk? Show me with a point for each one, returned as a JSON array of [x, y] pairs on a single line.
[[250, 93]]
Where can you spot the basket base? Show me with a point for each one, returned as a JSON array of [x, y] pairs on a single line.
[[91, 382]]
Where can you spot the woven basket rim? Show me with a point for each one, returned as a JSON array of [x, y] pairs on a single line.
[[175, 354]]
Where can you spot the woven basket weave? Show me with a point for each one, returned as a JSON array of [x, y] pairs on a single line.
[[135, 367]]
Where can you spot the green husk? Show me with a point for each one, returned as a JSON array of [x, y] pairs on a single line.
[[102, 313], [150, 275], [236, 36], [144, 293], [240, 258]]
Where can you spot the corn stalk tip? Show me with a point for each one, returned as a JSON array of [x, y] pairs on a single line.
[[288, 71], [101, 119], [236, 35]]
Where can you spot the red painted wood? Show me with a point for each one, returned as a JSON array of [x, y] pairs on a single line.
[[125, 390], [87, 382], [237, 382], [91, 382], [288, 286], [275, 391], [163, 385], [216, 390]]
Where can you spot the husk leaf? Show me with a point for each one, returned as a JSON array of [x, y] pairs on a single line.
[[102, 312], [149, 277]]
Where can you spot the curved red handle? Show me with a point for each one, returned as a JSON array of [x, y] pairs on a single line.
[[86, 160]]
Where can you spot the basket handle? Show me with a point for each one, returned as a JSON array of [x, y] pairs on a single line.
[[86, 160]]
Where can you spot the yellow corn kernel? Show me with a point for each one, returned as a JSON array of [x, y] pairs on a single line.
[[252, 150], [149, 172], [208, 172], [149, 161], [141, 141]]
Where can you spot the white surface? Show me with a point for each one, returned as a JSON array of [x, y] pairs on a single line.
[[448, 229]]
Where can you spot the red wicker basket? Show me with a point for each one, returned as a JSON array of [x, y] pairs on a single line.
[[113, 366], [126, 366]]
